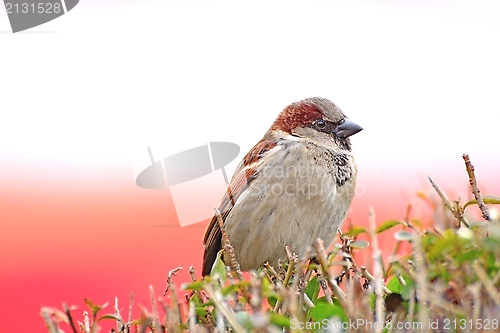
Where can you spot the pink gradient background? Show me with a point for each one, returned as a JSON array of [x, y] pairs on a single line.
[[69, 232]]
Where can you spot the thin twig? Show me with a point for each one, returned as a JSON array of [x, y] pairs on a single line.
[[411, 306], [170, 283], [130, 308], [299, 284], [227, 245], [490, 287], [271, 272], [496, 278], [85, 326], [156, 319], [219, 302], [120, 325], [324, 285], [195, 292], [255, 300], [420, 277], [173, 292], [192, 273], [448, 204], [392, 256], [476, 299], [378, 271], [364, 273], [192, 317], [320, 251], [46, 315], [475, 188], [292, 261], [146, 321], [307, 277], [67, 310]]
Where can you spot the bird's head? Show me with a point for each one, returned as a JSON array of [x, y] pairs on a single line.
[[316, 119]]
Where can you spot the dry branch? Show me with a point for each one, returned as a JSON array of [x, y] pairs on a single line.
[[475, 188]]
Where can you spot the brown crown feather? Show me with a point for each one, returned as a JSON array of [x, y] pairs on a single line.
[[299, 114]]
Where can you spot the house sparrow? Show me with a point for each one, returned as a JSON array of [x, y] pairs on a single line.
[[293, 186]]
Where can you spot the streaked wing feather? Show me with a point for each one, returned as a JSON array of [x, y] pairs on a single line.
[[242, 178]]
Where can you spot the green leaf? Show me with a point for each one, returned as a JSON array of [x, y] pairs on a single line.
[[404, 235], [395, 285], [327, 311], [487, 199], [444, 244], [355, 231], [387, 225], [312, 289], [138, 321], [111, 316], [279, 320], [372, 300], [208, 304], [416, 222], [195, 299], [229, 289], [244, 319], [407, 291], [428, 240], [360, 244], [93, 307], [267, 287], [272, 300], [493, 230], [201, 311], [196, 285], [219, 268], [491, 261], [234, 287], [490, 244], [321, 300]]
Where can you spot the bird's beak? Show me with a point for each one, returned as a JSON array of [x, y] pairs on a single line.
[[347, 128]]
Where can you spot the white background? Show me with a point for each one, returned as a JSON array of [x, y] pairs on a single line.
[[108, 79]]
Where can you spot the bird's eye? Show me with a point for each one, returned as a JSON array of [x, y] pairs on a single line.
[[320, 123]]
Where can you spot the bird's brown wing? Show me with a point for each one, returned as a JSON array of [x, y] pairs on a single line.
[[242, 178]]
